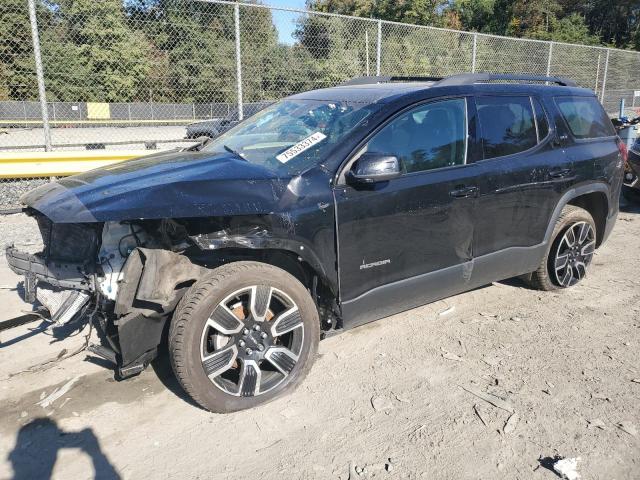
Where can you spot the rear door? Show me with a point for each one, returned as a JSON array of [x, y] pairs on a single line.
[[591, 144], [523, 173], [406, 241]]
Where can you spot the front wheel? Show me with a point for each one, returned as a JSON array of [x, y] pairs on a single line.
[[242, 336], [572, 248]]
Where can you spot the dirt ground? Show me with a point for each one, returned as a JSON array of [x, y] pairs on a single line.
[[405, 397]]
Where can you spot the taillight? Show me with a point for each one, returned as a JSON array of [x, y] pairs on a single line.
[[624, 151]]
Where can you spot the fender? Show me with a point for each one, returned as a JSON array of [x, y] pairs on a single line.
[[269, 235], [575, 192]]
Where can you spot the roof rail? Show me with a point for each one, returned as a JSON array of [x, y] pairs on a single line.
[[367, 80], [471, 78], [462, 79]]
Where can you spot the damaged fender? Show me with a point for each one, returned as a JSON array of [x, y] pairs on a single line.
[[153, 283]]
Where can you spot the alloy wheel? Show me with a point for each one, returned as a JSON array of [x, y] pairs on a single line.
[[574, 253], [252, 340]]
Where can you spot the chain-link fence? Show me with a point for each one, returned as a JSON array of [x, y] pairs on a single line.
[[125, 74]]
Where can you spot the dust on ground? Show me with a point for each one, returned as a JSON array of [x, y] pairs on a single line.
[[493, 383]]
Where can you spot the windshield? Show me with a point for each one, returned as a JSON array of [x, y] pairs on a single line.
[[292, 135]]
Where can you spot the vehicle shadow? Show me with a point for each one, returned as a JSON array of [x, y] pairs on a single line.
[[629, 207], [162, 368], [516, 282], [37, 446], [57, 333]]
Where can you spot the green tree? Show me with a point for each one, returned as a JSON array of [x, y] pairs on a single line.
[[423, 12], [473, 15], [17, 66], [89, 53]]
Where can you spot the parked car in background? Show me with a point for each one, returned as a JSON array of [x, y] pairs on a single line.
[[631, 188], [217, 126], [210, 128], [325, 211]]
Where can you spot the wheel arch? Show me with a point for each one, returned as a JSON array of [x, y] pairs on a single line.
[[302, 264], [597, 204], [594, 198]]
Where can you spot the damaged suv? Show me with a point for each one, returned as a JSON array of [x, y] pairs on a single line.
[[327, 210]]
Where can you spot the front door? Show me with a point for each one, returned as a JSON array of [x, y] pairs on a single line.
[[405, 242]]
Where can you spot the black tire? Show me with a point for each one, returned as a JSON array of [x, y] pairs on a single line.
[[275, 355], [547, 277]]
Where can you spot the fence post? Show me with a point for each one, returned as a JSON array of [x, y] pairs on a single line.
[[379, 47], [236, 19], [42, 93], [473, 54], [366, 47], [549, 59], [604, 77]]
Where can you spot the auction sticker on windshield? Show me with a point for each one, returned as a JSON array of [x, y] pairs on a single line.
[[300, 147]]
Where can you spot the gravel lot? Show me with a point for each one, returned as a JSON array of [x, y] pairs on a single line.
[[399, 398]]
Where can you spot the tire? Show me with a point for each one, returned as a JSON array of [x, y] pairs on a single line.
[[242, 336], [573, 223]]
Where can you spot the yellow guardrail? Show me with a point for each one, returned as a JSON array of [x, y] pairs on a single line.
[[60, 164]]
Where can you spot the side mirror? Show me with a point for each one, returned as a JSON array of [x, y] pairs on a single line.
[[374, 167]]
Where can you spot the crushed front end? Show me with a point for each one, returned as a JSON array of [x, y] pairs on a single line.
[[117, 275]]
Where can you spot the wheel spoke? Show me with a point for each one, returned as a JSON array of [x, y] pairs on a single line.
[[224, 321], [219, 361], [286, 321], [260, 301], [282, 358], [588, 248], [570, 237], [567, 277], [584, 232], [250, 375], [581, 270], [562, 261]]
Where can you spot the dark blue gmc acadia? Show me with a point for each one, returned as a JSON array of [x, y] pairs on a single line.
[[325, 211]]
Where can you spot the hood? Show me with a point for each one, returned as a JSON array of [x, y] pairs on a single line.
[[165, 185]]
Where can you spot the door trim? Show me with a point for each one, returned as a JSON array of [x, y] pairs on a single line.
[[408, 293]]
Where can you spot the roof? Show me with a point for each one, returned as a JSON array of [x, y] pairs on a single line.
[[365, 93], [384, 89]]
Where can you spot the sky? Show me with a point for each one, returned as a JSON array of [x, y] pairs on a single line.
[[284, 21]]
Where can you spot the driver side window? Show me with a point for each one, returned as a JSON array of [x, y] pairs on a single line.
[[430, 136]]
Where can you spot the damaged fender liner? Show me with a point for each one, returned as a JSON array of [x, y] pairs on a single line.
[[153, 282]]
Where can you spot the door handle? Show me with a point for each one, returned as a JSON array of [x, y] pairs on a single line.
[[464, 192], [561, 173]]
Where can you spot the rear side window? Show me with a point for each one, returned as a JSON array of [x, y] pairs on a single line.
[[507, 125], [585, 117]]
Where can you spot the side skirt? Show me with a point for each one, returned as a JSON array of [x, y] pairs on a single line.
[[409, 293]]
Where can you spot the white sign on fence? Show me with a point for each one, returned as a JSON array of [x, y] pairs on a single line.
[[636, 93]]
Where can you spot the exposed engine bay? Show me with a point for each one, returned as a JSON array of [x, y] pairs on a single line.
[[130, 274]]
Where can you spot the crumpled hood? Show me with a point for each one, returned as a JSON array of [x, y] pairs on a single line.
[[165, 185]]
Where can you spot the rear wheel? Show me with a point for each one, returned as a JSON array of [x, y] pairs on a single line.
[[242, 336], [570, 253]]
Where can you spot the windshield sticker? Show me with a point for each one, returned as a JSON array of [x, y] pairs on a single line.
[[301, 146]]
